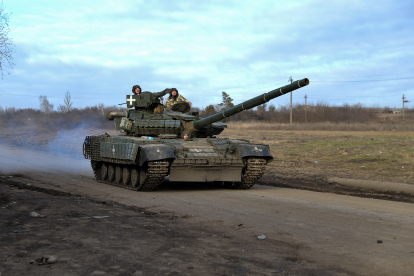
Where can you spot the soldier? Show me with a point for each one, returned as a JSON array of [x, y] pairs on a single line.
[[136, 90], [175, 98], [185, 135]]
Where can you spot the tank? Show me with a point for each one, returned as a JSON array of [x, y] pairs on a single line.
[[151, 146]]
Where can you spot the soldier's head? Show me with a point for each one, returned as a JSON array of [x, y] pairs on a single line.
[[174, 92], [136, 89], [185, 135]]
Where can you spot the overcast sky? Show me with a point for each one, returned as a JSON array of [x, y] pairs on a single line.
[[352, 51]]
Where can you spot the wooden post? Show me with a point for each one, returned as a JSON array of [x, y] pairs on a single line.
[[306, 108], [291, 93]]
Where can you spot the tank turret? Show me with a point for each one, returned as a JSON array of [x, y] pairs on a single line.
[[148, 117]]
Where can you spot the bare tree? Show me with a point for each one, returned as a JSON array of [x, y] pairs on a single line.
[[45, 106], [262, 108], [6, 43], [67, 103], [101, 107]]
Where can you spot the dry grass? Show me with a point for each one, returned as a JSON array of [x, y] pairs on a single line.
[[386, 156]]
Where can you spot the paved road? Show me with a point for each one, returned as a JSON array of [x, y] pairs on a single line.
[[328, 229]]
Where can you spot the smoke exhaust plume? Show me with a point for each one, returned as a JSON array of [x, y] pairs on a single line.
[[54, 151]]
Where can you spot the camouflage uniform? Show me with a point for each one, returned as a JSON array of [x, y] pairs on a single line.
[[173, 100]]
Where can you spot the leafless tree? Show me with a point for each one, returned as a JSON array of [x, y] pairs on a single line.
[[45, 106], [6, 43], [68, 103], [262, 108], [101, 107]]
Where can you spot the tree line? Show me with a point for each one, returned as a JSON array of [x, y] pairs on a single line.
[[68, 117], [313, 113]]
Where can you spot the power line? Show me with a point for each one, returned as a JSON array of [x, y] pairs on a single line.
[[316, 81], [372, 76], [229, 88], [58, 97], [326, 81], [330, 99], [365, 80]]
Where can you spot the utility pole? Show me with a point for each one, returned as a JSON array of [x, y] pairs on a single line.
[[291, 93], [306, 108], [404, 101]]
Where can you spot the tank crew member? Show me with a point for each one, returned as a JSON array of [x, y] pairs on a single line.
[[175, 98], [185, 135], [136, 90]]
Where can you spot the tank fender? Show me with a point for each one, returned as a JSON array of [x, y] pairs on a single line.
[[247, 150], [154, 152]]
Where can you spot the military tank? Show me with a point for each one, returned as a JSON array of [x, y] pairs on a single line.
[[151, 146]]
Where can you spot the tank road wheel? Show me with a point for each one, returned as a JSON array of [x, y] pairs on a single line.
[[118, 174], [111, 172], [134, 177], [146, 178], [126, 175], [104, 171]]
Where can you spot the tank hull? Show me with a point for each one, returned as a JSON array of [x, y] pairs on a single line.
[[142, 164]]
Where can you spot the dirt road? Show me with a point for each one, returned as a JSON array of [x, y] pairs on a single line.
[[307, 233]]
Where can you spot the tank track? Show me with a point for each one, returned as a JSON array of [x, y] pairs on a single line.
[[154, 176], [157, 171], [254, 171]]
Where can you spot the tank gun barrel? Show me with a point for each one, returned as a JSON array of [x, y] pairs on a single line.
[[256, 101]]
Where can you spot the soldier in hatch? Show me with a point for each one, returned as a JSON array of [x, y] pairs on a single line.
[[185, 135], [136, 90], [175, 98]]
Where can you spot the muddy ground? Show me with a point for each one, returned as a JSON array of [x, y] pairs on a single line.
[[93, 237]]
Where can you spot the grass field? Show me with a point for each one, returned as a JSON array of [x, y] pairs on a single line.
[[313, 155]]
